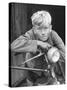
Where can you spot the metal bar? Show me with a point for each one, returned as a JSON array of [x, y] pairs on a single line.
[[31, 69], [61, 70], [32, 58]]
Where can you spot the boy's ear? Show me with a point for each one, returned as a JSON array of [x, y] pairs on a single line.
[[51, 27]]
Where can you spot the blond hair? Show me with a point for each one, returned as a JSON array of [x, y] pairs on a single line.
[[41, 17]]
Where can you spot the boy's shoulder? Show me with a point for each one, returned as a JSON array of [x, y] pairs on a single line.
[[53, 33], [30, 33]]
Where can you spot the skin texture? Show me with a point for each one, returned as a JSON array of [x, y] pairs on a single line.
[[42, 32]]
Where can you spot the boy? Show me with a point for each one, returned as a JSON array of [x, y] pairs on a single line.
[[40, 38]]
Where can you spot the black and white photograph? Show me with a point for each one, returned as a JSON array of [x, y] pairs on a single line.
[[36, 44]]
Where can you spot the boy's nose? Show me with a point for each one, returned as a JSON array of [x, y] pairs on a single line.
[[43, 32]]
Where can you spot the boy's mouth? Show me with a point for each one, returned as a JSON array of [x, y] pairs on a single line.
[[43, 37]]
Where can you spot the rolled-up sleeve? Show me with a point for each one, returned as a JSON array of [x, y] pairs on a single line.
[[24, 43]]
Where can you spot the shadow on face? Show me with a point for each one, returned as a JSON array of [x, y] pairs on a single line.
[[42, 32]]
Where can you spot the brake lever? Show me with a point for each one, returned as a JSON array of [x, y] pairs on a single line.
[[40, 54]]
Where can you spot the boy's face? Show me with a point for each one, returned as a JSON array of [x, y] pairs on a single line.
[[42, 32]]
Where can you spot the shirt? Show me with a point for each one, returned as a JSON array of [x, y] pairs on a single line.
[[28, 43]]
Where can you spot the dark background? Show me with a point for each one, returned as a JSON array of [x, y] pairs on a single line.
[[20, 18], [20, 22]]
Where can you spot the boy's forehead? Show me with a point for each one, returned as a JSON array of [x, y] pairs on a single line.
[[42, 26]]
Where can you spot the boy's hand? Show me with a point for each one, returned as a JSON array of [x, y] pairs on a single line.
[[43, 45]]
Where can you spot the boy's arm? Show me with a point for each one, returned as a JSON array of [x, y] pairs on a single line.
[[24, 43], [58, 43]]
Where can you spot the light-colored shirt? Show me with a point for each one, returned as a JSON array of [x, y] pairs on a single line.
[[28, 43]]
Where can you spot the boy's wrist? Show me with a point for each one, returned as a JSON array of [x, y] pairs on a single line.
[[43, 44], [39, 43]]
